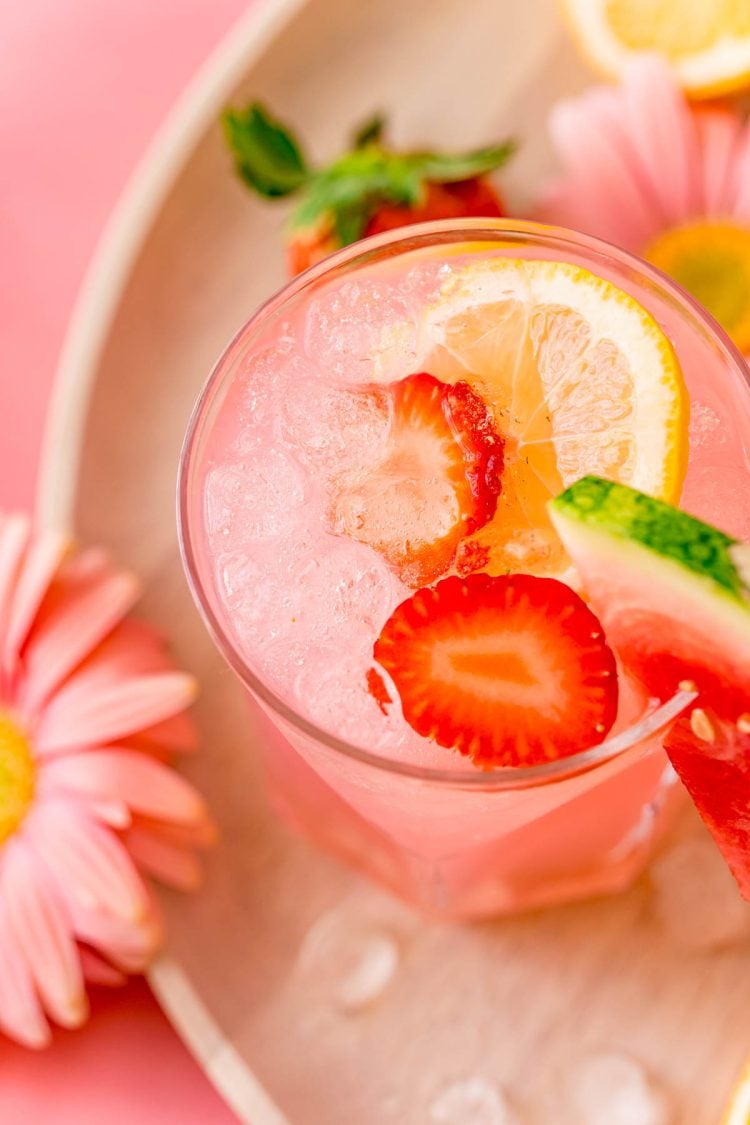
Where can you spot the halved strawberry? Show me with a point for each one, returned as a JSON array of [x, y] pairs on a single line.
[[438, 482], [467, 199], [511, 671]]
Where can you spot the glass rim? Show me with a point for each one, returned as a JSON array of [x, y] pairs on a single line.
[[403, 240]]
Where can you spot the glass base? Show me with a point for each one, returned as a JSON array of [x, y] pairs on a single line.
[[596, 843]]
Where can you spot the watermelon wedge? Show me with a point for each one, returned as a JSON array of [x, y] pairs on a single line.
[[670, 593]]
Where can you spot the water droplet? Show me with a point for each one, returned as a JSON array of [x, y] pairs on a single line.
[[352, 960], [472, 1101], [615, 1089]]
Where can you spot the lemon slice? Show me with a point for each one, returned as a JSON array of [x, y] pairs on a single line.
[[581, 380], [707, 42], [738, 1110]]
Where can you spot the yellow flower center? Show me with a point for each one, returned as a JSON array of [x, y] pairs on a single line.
[[712, 261], [17, 776]]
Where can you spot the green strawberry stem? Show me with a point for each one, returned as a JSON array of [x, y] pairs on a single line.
[[346, 193]]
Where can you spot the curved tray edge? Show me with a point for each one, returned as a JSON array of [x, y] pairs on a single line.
[[121, 242]]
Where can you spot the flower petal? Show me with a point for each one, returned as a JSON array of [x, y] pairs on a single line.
[[133, 647], [664, 134], [160, 857], [741, 177], [88, 860], [178, 734], [76, 717], [719, 133], [605, 195], [130, 777], [42, 930], [199, 834], [98, 970], [15, 532], [83, 614], [43, 558], [21, 1015], [130, 946]]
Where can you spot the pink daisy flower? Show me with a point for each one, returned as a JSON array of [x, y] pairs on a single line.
[[90, 711], [666, 180]]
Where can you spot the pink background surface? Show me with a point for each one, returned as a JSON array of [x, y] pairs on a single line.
[[83, 85]]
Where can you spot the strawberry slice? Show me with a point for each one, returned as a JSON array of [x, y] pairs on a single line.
[[511, 671], [438, 482]]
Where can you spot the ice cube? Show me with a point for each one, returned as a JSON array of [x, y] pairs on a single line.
[[705, 425], [254, 498], [264, 380], [352, 961], [333, 429], [425, 280], [472, 1101], [609, 1088], [361, 331], [308, 589], [696, 899], [344, 591], [334, 694]]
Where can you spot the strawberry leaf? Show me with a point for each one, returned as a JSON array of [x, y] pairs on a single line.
[[266, 155], [349, 222], [349, 190], [371, 133], [446, 168], [342, 197]]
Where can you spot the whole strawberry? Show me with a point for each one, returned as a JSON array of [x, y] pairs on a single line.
[[368, 190]]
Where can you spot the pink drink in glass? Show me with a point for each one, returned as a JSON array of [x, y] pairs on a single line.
[[296, 608]]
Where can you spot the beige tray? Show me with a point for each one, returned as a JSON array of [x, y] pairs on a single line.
[[274, 1008]]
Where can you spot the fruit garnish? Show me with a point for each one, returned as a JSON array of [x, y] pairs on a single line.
[[365, 191], [675, 607], [378, 690], [510, 671], [580, 377], [707, 44], [712, 757], [439, 479], [666, 588]]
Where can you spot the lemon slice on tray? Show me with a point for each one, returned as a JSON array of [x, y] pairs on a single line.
[[581, 380], [707, 42]]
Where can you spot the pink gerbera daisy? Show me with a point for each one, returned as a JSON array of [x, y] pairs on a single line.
[[90, 710], [664, 179]]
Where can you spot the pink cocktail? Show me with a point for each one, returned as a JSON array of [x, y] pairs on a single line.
[[296, 597]]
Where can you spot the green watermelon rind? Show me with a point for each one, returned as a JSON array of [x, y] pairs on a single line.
[[615, 512]]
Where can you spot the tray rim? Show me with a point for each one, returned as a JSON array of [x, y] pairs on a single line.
[[94, 310]]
